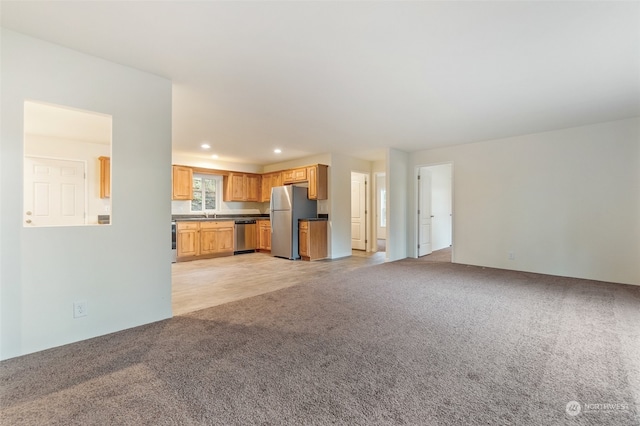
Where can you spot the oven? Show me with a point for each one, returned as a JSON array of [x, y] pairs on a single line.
[[173, 242]]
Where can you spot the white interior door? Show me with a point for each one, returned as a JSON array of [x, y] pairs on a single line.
[[424, 212], [358, 211], [54, 192]]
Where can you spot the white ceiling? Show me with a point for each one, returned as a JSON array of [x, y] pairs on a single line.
[[358, 77], [66, 123]]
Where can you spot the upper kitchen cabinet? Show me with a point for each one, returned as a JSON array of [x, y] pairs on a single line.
[[105, 177], [269, 180], [315, 175], [182, 183], [318, 185], [241, 187], [294, 175]]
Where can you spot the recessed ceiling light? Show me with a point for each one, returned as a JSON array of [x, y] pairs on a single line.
[[277, 150], [205, 146], [214, 156]]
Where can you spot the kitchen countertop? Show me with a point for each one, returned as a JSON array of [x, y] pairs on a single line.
[[222, 217], [204, 219], [315, 219]]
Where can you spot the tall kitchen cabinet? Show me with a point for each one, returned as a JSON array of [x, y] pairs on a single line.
[[204, 239], [241, 187]]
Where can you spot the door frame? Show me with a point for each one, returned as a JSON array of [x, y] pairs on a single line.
[[374, 206], [367, 207], [416, 197]]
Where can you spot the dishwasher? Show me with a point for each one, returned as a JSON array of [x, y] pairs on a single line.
[[244, 238]]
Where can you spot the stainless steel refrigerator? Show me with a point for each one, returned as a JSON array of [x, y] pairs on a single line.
[[289, 204]]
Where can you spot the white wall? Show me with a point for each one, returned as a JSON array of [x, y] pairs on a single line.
[[88, 152], [183, 159], [564, 203], [122, 271], [397, 174]]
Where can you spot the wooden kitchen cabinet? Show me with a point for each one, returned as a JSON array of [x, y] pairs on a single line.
[[241, 187], [252, 187], [269, 180], [182, 183], [105, 177], [318, 182], [316, 176], [264, 234], [294, 175], [312, 241], [200, 240], [188, 243]]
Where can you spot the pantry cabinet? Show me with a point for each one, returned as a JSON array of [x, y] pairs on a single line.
[[199, 240]]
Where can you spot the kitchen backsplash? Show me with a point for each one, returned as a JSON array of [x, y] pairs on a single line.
[[184, 207]]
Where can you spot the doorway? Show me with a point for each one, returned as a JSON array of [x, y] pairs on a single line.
[[435, 208], [358, 211], [381, 211]]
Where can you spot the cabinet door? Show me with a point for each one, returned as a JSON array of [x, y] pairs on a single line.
[[224, 239], [105, 177], [313, 182], [288, 177], [300, 175], [318, 184], [237, 187], [304, 242], [182, 183], [187, 243], [267, 237], [264, 235], [265, 193], [252, 186], [208, 240], [276, 179]]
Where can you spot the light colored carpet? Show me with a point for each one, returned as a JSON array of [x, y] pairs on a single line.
[[407, 342]]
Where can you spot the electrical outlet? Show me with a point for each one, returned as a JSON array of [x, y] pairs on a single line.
[[512, 255], [80, 309]]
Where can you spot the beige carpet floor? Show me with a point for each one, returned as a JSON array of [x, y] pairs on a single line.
[[410, 342]]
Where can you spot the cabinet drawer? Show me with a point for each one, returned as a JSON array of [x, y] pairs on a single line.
[[216, 224], [183, 226], [304, 224]]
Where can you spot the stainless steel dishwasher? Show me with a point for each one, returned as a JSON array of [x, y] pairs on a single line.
[[244, 238]]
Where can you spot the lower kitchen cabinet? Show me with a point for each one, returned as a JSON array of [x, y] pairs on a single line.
[[264, 234], [313, 239], [200, 240]]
